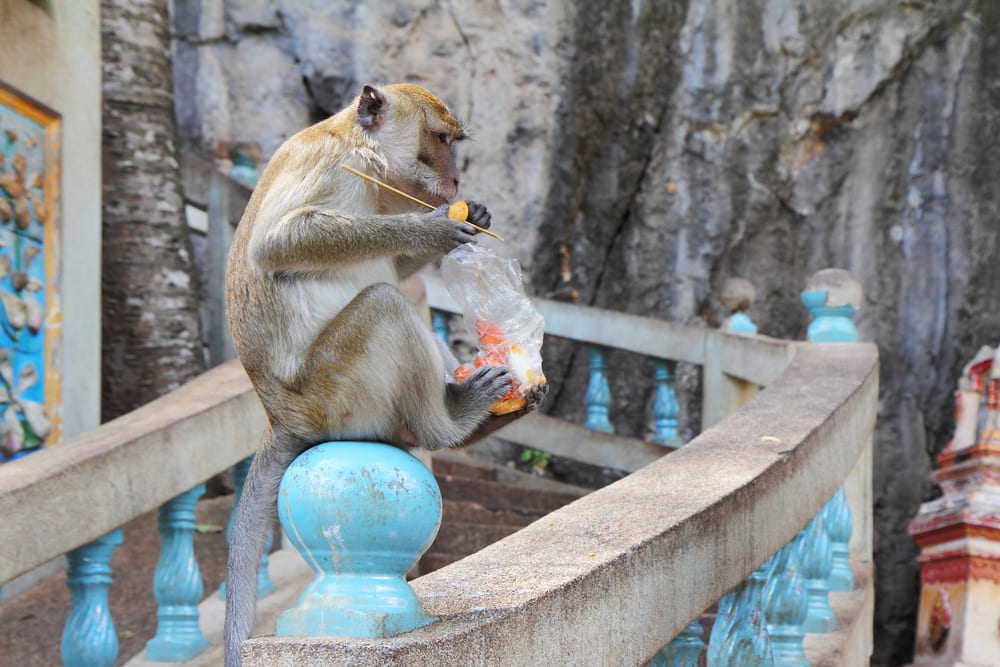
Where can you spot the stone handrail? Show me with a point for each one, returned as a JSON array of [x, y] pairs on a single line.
[[662, 544], [614, 576], [67, 495]]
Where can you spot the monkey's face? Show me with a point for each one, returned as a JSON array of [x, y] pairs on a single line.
[[416, 134], [436, 169]]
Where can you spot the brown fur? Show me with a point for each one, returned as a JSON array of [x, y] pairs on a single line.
[[333, 348]]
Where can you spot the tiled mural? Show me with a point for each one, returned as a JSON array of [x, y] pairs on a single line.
[[29, 321]]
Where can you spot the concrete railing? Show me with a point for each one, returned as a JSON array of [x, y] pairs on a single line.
[[613, 577], [65, 496], [610, 579]]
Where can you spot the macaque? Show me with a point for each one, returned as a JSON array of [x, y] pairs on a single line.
[[332, 347]]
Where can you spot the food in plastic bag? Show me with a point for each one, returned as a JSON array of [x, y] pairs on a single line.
[[499, 313]]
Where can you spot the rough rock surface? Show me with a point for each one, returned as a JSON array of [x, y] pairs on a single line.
[[669, 145]]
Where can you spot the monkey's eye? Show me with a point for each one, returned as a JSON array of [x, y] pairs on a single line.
[[443, 137]]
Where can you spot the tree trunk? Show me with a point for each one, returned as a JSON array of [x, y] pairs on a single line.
[[152, 339]]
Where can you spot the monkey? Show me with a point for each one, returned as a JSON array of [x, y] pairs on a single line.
[[332, 347]]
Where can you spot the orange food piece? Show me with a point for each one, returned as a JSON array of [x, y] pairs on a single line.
[[489, 360], [503, 406], [459, 211], [462, 373]]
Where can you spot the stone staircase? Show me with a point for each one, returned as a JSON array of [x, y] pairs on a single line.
[[484, 502]]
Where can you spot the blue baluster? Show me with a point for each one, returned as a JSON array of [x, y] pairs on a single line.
[[741, 639], [89, 638], [838, 523], [725, 619], [683, 651], [666, 411], [361, 514], [832, 297], [686, 647], [831, 324], [738, 295], [786, 607], [753, 646], [598, 393], [264, 585], [245, 157], [177, 584], [439, 322], [817, 561], [741, 323]]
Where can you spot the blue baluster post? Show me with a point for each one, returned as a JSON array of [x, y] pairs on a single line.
[[89, 638], [686, 647], [725, 619], [598, 393], [666, 411], [177, 584], [683, 651], [245, 157], [748, 642], [838, 524], [439, 322], [785, 606], [361, 514], [738, 295], [832, 297], [817, 561], [264, 584]]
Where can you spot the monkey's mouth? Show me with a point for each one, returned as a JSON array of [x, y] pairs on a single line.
[[434, 197]]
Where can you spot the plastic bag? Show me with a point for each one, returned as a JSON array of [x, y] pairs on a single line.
[[500, 315]]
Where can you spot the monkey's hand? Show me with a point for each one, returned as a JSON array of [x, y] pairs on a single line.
[[479, 215], [447, 234]]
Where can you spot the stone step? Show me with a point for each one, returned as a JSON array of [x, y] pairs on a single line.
[[504, 496], [468, 538], [467, 511]]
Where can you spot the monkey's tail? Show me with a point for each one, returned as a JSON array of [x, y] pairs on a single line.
[[255, 514]]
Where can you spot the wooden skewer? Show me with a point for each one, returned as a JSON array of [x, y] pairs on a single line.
[[414, 199]]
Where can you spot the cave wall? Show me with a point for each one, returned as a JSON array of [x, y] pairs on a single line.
[[666, 146]]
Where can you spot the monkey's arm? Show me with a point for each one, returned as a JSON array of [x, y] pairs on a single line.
[[410, 263], [309, 239]]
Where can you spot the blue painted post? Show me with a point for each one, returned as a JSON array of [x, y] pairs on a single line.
[[683, 651], [598, 393], [741, 323], [666, 411], [832, 297], [817, 561], [439, 322], [89, 638], [725, 619], [741, 639], [786, 607], [838, 523], [245, 157], [177, 585], [738, 295], [264, 585], [361, 514]]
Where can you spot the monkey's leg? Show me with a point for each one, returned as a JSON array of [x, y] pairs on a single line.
[[377, 372], [254, 515]]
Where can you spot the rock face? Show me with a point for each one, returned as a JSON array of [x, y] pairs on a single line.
[[664, 147]]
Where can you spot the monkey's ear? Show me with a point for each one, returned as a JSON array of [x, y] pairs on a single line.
[[371, 108]]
